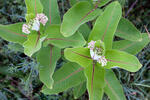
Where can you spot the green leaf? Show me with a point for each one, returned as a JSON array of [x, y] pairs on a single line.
[[123, 60], [34, 6], [72, 2], [132, 47], [79, 14], [101, 2], [47, 58], [95, 81], [106, 25], [51, 10], [128, 31], [68, 76], [85, 30], [56, 38], [113, 88], [78, 55], [33, 44], [79, 90], [13, 33]]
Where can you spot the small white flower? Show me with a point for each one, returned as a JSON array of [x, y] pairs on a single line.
[[91, 45], [102, 60], [36, 25], [99, 59], [96, 53], [93, 54], [25, 28], [42, 18]]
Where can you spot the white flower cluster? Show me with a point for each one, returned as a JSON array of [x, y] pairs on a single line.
[[96, 53], [35, 23]]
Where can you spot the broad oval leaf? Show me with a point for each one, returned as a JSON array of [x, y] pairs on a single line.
[[78, 55], [51, 10], [132, 47], [79, 14], [95, 81], [33, 43], [113, 88], [79, 90], [68, 76], [13, 33], [122, 60], [106, 25], [128, 31], [56, 38], [47, 58]]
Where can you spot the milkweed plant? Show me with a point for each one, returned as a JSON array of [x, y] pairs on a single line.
[[89, 54]]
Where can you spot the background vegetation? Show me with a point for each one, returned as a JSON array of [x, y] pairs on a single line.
[[19, 75]]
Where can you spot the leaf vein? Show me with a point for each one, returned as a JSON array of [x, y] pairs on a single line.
[[35, 8], [112, 90], [67, 77], [82, 55], [38, 38], [15, 33], [121, 62], [104, 34], [92, 79], [50, 11], [88, 13], [62, 39]]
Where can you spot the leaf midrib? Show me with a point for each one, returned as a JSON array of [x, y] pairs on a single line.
[[108, 24], [107, 59], [112, 90], [50, 11], [121, 62], [133, 43], [71, 74], [35, 8], [62, 39], [87, 14], [22, 35]]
